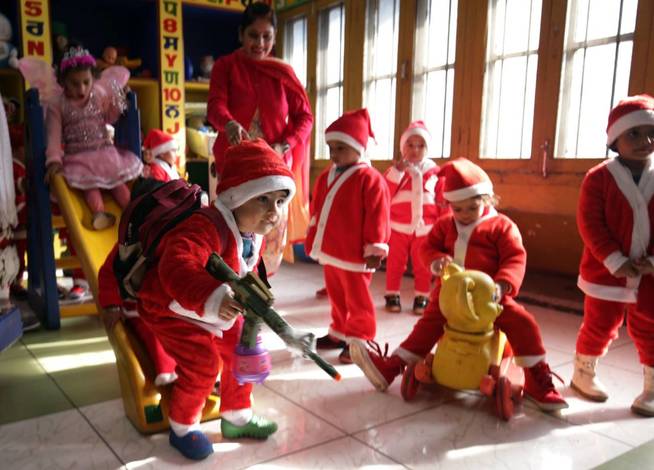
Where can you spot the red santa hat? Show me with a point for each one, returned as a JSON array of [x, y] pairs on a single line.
[[416, 128], [352, 128], [251, 169], [464, 179], [632, 111], [158, 142]]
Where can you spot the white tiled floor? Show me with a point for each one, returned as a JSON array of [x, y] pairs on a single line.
[[328, 425]]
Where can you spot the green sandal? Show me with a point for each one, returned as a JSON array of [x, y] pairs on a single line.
[[256, 428]]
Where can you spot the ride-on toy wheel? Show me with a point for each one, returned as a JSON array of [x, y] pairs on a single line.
[[504, 398], [409, 386]]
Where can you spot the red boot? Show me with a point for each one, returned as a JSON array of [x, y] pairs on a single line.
[[540, 389], [378, 367]]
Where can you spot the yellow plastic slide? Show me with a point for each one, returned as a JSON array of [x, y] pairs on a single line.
[[146, 405]]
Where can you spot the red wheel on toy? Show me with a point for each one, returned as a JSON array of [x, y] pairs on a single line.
[[503, 399], [409, 386]]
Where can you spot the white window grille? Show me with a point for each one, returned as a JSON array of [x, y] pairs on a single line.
[[380, 73], [595, 74], [433, 71], [329, 81], [510, 78]]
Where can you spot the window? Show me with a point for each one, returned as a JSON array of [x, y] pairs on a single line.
[[433, 71], [329, 80], [380, 73], [295, 47], [510, 78], [595, 76]]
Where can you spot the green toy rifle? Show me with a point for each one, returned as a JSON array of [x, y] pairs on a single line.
[[257, 300]]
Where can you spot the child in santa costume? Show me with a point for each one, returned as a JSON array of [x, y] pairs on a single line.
[[194, 315], [160, 155], [475, 236], [416, 203], [116, 309], [616, 221], [349, 231]]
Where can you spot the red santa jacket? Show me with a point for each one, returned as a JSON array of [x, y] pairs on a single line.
[[492, 244], [616, 222], [179, 286], [415, 197], [349, 217], [162, 171]]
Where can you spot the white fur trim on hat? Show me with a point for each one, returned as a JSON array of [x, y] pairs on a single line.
[[165, 147], [346, 138], [478, 189], [236, 196], [419, 131], [642, 117]]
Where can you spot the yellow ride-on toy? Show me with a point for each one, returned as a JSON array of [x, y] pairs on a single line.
[[472, 353]]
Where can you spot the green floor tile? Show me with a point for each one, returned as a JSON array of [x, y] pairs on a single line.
[[25, 390], [640, 458]]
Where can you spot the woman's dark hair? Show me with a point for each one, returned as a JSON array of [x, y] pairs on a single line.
[[255, 11]]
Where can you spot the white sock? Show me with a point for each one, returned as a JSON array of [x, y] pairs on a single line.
[[182, 430], [238, 417], [165, 378]]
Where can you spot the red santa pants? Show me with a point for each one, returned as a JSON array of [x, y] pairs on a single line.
[[401, 245], [515, 321], [198, 354], [353, 311], [603, 318], [163, 363]]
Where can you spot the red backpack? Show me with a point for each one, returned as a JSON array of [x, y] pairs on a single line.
[[144, 223]]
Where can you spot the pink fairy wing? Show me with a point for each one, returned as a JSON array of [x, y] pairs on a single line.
[[40, 75], [116, 74]]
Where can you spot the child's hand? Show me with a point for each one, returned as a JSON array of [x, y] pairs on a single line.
[[628, 269], [373, 262], [400, 164], [644, 266], [111, 316], [236, 133], [501, 289], [439, 264], [281, 148], [229, 308], [51, 170]]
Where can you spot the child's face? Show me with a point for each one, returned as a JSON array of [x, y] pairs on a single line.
[[414, 149], [342, 154], [258, 39], [169, 157], [468, 211], [78, 83], [260, 214], [636, 143]]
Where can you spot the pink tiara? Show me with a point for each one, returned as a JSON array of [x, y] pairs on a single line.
[[76, 57]]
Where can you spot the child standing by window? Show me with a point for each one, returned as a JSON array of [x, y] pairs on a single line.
[[616, 222], [160, 154], [79, 144], [416, 197], [348, 232], [475, 236]]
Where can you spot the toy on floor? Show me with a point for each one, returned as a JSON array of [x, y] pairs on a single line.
[[472, 354], [252, 362]]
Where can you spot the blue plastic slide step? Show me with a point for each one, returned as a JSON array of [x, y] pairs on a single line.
[[11, 328]]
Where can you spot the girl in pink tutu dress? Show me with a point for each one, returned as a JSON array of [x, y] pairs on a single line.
[[79, 144]]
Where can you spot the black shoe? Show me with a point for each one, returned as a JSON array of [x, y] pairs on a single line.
[[420, 304], [326, 342], [18, 292], [393, 304], [30, 322]]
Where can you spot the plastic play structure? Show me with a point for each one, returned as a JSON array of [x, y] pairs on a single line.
[[472, 354], [145, 404]]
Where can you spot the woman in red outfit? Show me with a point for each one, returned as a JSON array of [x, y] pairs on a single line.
[[254, 95]]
